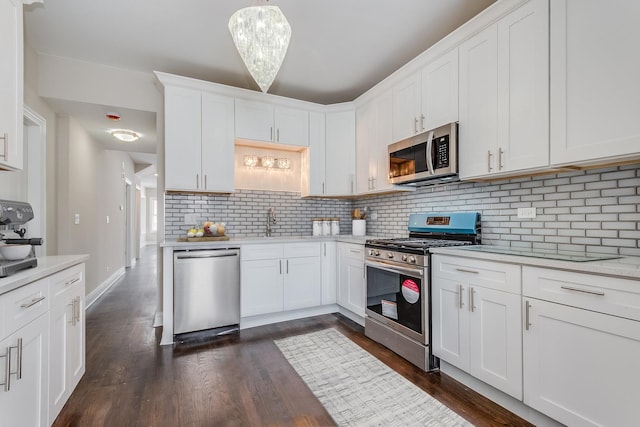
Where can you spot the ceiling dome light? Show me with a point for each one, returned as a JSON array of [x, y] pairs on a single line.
[[261, 35], [125, 135]]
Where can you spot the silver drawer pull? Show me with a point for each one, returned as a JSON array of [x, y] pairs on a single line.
[[32, 303], [527, 321], [71, 282], [585, 291], [464, 270]]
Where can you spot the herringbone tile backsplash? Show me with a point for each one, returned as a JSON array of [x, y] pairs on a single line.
[[593, 211]]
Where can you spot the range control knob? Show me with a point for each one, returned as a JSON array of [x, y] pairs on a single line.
[[377, 253], [390, 255], [412, 259], [404, 257], [370, 252]]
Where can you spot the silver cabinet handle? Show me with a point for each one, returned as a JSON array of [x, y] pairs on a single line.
[[422, 121], [205, 181], [19, 357], [73, 312], [325, 249], [5, 155], [464, 270], [489, 155], [197, 180], [355, 251], [500, 153], [287, 266], [280, 262], [460, 291], [33, 302], [271, 133], [585, 291], [72, 281], [7, 370], [78, 310], [527, 323], [323, 190], [415, 125], [278, 135], [472, 304]]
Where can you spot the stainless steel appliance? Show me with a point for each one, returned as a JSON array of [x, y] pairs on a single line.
[[427, 158], [13, 215], [206, 295], [398, 283]]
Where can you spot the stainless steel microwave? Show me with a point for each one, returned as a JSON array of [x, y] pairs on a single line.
[[427, 158]]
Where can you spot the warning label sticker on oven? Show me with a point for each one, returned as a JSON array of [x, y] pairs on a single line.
[[410, 291], [389, 309]]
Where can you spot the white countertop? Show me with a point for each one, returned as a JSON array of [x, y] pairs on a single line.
[[625, 267], [239, 241], [47, 265]]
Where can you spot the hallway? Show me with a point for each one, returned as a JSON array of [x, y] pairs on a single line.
[[239, 380]]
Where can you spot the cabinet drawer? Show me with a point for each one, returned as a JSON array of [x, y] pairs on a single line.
[[266, 251], [351, 250], [609, 295], [493, 275], [21, 306], [301, 250], [66, 279]]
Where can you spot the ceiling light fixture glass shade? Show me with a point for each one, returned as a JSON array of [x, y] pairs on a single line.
[[261, 35], [125, 135]]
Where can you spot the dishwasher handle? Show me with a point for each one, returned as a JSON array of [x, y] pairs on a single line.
[[220, 253]]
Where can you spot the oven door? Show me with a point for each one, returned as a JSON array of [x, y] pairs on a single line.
[[397, 297]]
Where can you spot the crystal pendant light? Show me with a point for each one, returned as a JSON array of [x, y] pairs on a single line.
[[261, 35]]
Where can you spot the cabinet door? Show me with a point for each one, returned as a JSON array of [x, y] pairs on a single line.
[[365, 141], [379, 152], [329, 273], [450, 319], [478, 129], [291, 126], [261, 287], [254, 120], [351, 285], [495, 332], [407, 120], [217, 143], [594, 80], [341, 153], [25, 404], [581, 367], [11, 85], [183, 137], [314, 159], [523, 88], [302, 283], [440, 91]]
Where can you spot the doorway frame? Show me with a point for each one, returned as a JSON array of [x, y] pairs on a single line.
[[36, 146]]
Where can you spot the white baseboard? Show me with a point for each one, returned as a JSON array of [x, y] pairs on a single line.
[[157, 319], [283, 316], [351, 315], [103, 287]]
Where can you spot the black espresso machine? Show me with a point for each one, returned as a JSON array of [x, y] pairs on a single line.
[[13, 215]]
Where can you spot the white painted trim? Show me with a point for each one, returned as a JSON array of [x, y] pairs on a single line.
[[36, 136], [495, 395], [351, 315], [283, 316], [103, 287]]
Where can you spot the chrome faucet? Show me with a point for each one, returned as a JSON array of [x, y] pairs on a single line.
[[271, 219]]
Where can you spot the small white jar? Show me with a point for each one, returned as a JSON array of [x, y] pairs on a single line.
[[335, 226], [326, 227], [317, 226]]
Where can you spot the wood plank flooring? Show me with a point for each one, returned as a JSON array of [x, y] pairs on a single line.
[[236, 380]]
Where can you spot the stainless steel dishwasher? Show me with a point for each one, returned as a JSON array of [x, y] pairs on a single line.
[[206, 289]]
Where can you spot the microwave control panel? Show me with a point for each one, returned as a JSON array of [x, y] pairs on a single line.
[[441, 152]]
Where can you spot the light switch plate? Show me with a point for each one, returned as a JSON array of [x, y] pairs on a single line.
[[527, 212], [76, 219]]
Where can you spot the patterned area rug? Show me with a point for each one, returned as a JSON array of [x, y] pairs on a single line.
[[356, 388]]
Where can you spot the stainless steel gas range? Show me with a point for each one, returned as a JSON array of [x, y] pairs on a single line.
[[398, 282]]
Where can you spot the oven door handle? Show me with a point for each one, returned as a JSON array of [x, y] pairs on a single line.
[[394, 269]]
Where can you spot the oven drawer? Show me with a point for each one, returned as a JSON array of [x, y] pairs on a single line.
[[492, 275], [609, 295]]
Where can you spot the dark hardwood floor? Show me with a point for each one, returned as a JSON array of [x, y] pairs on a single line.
[[237, 380]]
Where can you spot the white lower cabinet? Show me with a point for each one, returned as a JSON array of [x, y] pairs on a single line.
[[24, 347], [477, 320], [581, 365], [67, 328], [279, 277], [351, 283], [329, 276]]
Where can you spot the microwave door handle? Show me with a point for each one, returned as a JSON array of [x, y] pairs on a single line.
[[429, 158]]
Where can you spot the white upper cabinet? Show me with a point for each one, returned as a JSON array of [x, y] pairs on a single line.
[[504, 101], [199, 147], [314, 159], [595, 92], [11, 85], [260, 121], [426, 99], [340, 145]]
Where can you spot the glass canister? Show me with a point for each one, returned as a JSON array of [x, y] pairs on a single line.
[[317, 226], [326, 227], [335, 226]]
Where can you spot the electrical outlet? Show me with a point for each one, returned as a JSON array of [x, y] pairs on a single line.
[[527, 212], [190, 219]]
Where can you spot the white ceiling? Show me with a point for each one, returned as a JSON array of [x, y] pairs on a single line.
[[339, 48]]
